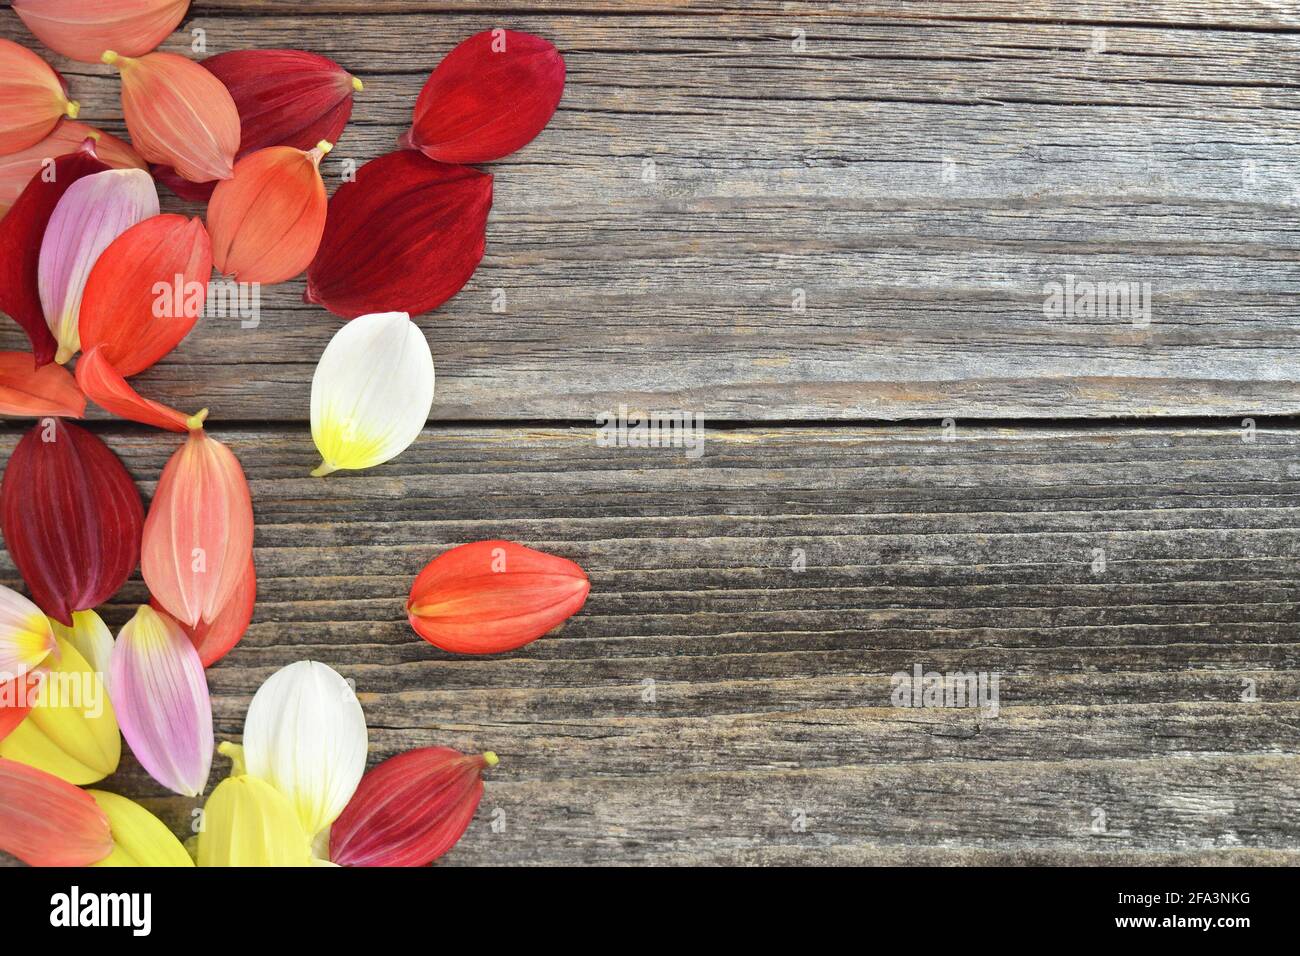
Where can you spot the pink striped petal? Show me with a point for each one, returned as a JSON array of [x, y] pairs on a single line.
[[159, 693], [92, 213]]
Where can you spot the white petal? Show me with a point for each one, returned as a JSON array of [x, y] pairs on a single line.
[[372, 391], [25, 635], [305, 735]]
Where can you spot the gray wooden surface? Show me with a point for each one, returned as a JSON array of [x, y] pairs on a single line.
[[920, 170]]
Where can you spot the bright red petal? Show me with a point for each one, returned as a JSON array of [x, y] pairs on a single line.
[[490, 96], [146, 291]]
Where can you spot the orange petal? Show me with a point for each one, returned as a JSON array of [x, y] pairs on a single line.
[[45, 821], [105, 386], [17, 169], [198, 536], [216, 639], [146, 291], [33, 98], [267, 222], [26, 390], [83, 29], [493, 596], [179, 114]]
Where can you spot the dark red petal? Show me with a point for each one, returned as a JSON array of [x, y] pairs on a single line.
[[410, 809], [72, 518], [216, 639], [490, 96], [21, 233], [405, 236], [193, 192]]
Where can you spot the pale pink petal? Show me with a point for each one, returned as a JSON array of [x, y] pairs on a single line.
[[92, 213], [161, 699]]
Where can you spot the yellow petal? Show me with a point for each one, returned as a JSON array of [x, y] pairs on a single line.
[[71, 732], [247, 822], [139, 837], [90, 636]]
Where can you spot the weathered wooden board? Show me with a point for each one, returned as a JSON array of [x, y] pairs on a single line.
[[921, 181], [710, 690]]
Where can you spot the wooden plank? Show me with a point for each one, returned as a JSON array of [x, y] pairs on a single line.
[[1121, 686], [921, 182], [1256, 15]]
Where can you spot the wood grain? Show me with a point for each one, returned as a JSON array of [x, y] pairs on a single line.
[[920, 180], [1120, 689], [920, 171]]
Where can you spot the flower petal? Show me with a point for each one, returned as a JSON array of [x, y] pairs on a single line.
[[490, 96], [83, 29], [27, 391], [162, 703], [33, 98], [72, 518], [92, 213], [91, 637], [25, 635], [146, 291], [71, 731], [17, 169], [17, 697], [284, 98], [216, 639], [247, 822], [405, 235], [45, 821], [139, 837], [410, 809], [372, 392], [106, 387], [198, 537], [305, 735], [267, 221], [178, 114], [21, 236], [493, 596]]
